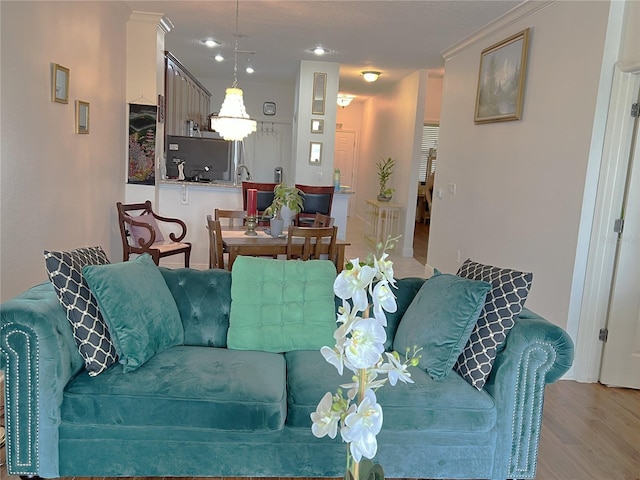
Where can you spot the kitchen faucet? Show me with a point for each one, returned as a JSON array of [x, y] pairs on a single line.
[[239, 169]]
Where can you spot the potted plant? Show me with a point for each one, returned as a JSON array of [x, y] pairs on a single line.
[[385, 170], [283, 196]]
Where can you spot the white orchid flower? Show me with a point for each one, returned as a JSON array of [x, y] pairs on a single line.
[[325, 420], [361, 427], [383, 300], [334, 357], [366, 344], [384, 269], [395, 370], [346, 318], [352, 284]]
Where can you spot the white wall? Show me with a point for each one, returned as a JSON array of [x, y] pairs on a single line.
[[520, 184], [59, 188]]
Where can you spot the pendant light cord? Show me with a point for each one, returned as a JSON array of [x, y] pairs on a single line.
[[235, 50]]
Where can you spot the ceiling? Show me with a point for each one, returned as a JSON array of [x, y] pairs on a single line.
[[393, 37]]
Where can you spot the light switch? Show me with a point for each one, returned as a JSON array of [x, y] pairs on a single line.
[[452, 188], [439, 193]]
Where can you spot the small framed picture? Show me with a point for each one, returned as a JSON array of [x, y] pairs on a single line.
[[315, 153], [317, 125], [60, 84], [82, 117], [319, 93]]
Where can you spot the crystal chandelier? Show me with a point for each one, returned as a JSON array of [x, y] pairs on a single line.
[[233, 121]]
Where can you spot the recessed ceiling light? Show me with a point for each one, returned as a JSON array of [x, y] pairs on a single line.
[[249, 69], [370, 75], [218, 58], [319, 51], [210, 42]]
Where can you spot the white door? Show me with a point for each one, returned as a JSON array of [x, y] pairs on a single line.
[[621, 357], [344, 159]]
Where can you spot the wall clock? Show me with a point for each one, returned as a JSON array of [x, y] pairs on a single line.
[[269, 108]]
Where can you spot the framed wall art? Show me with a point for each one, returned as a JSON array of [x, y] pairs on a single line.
[[82, 117], [319, 93], [501, 80], [317, 125], [59, 84], [315, 153]]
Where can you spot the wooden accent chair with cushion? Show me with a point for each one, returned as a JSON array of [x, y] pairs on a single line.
[[265, 197], [140, 233], [317, 199], [313, 243]]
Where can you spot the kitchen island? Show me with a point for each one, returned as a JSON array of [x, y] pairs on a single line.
[[193, 201]]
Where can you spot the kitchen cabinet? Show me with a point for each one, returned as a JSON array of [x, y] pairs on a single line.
[[185, 98]]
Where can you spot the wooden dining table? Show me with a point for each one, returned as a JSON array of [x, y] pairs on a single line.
[[237, 243]]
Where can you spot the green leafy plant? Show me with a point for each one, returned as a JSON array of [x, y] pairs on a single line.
[[385, 170], [291, 197]]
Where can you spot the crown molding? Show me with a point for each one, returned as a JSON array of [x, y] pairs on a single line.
[[516, 14], [157, 19]]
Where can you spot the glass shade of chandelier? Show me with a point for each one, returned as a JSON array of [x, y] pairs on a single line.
[[233, 121]]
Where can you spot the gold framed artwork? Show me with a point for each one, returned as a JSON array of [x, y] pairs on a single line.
[[501, 80], [317, 125], [82, 117], [59, 84], [319, 93], [315, 153]]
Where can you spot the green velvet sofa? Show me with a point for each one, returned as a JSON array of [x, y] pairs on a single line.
[[201, 409]]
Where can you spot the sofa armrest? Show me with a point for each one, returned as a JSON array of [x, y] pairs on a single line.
[[39, 356], [537, 352]]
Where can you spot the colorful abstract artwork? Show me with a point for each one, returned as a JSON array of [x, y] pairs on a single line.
[[142, 144]]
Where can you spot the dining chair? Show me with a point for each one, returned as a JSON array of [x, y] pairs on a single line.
[[265, 197], [140, 233], [322, 220], [216, 254], [317, 199], [231, 216], [313, 242]]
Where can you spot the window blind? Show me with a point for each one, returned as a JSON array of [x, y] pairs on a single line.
[[428, 151]]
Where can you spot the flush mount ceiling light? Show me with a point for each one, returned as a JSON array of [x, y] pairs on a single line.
[[218, 58], [233, 121], [249, 69], [370, 75], [344, 100], [319, 50], [209, 43]]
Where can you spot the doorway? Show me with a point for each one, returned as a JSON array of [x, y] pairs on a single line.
[[621, 355], [597, 309], [345, 160], [426, 175]]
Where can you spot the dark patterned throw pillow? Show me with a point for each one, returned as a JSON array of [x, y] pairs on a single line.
[[504, 302], [89, 329]]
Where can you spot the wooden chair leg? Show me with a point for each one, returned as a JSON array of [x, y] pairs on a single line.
[[187, 254]]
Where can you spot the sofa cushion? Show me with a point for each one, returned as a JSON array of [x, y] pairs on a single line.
[[405, 293], [138, 308], [447, 405], [281, 305], [440, 319], [203, 298], [89, 329], [184, 386], [509, 291]]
